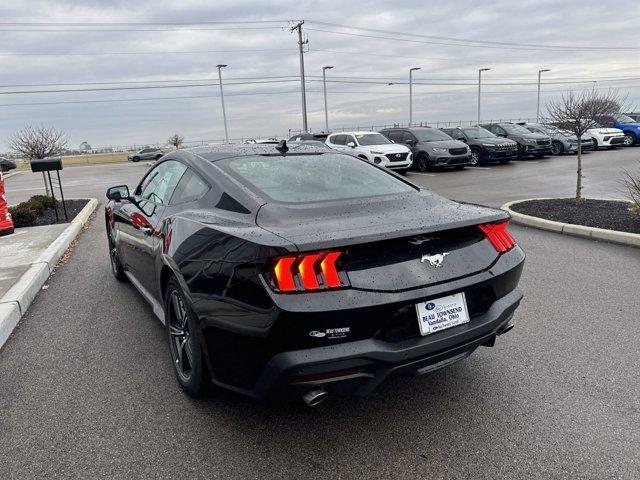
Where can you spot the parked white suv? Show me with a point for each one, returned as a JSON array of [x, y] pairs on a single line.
[[606, 137], [374, 147]]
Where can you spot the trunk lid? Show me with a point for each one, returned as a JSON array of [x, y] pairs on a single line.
[[391, 243]]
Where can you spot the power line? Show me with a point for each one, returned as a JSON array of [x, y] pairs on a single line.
[[117, 82], [433, 42], [154, 29], [183, 52], [472, 42], [134, 24]]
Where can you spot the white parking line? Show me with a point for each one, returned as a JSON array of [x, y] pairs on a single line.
[[481, 168], [425, 174]]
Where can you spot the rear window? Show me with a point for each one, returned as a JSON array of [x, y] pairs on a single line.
[[312, 178]]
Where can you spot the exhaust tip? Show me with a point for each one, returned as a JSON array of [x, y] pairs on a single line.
[[315, 397]]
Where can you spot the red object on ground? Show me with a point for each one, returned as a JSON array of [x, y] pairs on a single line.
[[6, 222]]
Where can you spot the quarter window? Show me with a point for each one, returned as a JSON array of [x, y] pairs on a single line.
[[159, 184], [190, 188]]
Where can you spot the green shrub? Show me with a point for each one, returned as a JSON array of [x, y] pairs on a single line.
[[23, 215], [39, 203]]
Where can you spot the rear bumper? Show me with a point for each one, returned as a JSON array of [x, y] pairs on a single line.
[[357, 368]]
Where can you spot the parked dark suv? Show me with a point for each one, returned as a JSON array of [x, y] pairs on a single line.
[[529, 144], [431, 147], [485, 146]]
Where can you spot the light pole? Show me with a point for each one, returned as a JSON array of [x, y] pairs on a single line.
[[324, 87], [411, 70], [224, 113], [538, 107], [479, 88]]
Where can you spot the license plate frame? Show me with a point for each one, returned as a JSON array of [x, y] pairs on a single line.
[[442, 313]]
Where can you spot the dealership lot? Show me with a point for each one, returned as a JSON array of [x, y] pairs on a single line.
[[88, 389]]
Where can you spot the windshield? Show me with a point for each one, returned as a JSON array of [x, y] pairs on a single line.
[[624, 119], [312, 178], [515, 129], [372, 139], [536, 129], [430, 135], [477, 132]]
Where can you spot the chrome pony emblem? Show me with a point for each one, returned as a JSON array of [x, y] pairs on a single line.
[[434, 260]]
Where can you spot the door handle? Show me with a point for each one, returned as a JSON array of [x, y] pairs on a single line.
[[146, 230]]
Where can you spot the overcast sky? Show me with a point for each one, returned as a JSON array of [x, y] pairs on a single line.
[[36, 55]]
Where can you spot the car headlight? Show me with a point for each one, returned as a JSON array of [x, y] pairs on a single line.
[[530, 141], [376, 152], [439, 150]]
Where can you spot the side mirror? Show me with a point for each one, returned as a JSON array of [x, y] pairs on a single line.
[[462, 139], [351, 144], [411, 143], [118, 193]]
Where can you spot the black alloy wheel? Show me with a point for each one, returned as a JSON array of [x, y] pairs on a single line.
[[422, 162], [557, 148], [135, 159], [186, 353], [116, 265]]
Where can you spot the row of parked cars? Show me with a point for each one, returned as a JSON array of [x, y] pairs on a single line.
[[427, 148]]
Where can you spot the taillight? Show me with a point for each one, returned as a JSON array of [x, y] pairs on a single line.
[[498, 235], [307, 272]]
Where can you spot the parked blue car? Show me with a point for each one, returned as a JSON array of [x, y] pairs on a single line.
[[628, 125]]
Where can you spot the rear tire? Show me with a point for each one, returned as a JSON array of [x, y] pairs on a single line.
[[595, 144], [158, 157], [184, 347], [557, 148], [135, 159], [422, 162]]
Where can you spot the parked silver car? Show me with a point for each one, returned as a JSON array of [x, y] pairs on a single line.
[[562, 141], [148, 153]]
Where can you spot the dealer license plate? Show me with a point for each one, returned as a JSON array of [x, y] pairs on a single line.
[[442, 313]]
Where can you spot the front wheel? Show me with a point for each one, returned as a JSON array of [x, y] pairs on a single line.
[[630, 139], [557, 148], [186, 353], [158, 157], [422, 162], [595, 144], [476, 157], [135, 159], [116, 265]]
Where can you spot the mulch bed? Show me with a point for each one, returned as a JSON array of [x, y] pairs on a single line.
[[607, 214], [48, 217]]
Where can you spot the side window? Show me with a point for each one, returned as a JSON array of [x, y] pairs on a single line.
[[159, 184], [393, 135], [190, 188], [407, 136], [339, 140], [498, 130], [350, 139]]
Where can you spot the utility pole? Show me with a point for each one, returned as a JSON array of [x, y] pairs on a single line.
[[411, 70], [301, 44], [224, 113], [538, 107], [324, 87], [479, 90]]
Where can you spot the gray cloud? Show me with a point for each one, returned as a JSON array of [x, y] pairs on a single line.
[[271, 109]]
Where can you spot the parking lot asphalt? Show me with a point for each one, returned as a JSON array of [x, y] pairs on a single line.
[[87, 389]]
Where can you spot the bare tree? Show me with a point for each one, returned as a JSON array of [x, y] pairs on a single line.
[[176, 140], [632, 184], [578, 112], [33, 142]]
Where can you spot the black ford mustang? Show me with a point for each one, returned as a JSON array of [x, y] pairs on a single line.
[[300, 270]]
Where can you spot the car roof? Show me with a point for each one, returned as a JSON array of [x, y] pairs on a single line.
[[213, 153], [369, 132]]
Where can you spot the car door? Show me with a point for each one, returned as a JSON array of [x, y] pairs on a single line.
[[338, 142], [411, 142], [140, 232]]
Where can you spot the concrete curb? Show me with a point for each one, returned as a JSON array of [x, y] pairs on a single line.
[[614, 236], [16, 301]]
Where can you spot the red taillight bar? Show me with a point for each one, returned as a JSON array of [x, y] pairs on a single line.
[[313, 271], [498, 235]]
